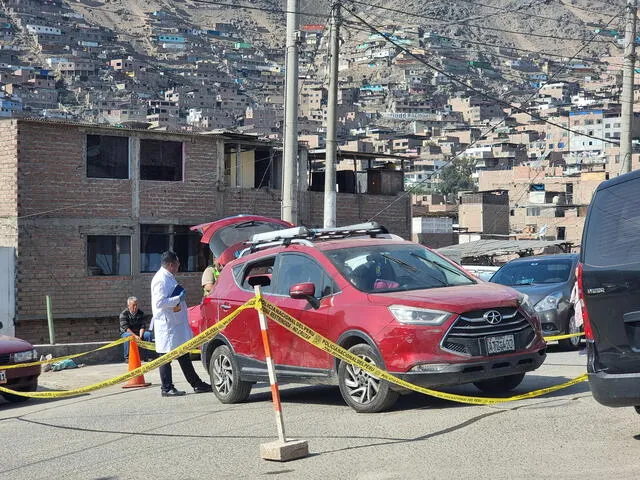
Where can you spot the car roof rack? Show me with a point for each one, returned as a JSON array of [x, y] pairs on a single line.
[[304, 235]]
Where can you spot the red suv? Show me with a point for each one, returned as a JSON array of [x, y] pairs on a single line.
[[396, 304]]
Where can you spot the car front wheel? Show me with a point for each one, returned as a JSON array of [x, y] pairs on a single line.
[[572, 343], [500, 384], [225, 377], [362, 391], [19, 398]]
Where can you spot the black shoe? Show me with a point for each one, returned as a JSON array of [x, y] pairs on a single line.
[[204, 388], [173, 393]]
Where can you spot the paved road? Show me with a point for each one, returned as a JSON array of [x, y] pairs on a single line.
[[122, 434]]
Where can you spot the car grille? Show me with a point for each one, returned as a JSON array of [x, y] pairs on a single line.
[[5, 359], [468, 333]]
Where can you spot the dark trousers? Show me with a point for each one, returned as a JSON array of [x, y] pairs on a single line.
[[187, 368]]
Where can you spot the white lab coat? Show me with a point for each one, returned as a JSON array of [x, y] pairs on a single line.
[[577, 305], [171, 329]]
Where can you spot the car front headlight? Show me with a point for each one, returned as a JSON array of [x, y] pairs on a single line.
[[549, 302], [418, 316], [28, 356]]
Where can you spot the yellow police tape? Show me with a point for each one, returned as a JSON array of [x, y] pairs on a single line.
[[562, 337], [66, 357], [301, 330], [152, 346], [309, 335], [186, 347]]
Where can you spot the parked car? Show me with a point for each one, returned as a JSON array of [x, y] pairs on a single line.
[[481, 271], [24, 379], [547, 280], [396, 304], [609, 280]]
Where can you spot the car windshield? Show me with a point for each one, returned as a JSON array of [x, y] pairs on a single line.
[[239, 232], [391, 268], [533, 272]]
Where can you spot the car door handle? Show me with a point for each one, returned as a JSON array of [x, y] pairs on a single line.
[[225, 306]]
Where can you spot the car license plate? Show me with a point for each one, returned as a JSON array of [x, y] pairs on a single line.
[[3, 376], [504, 343]]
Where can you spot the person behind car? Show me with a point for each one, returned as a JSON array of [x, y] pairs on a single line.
[[210, 276], [171, 325], [133, 324]]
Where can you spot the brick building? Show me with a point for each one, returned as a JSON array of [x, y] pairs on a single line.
[[88, 209]]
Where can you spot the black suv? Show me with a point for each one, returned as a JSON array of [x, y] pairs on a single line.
[[609, 280]]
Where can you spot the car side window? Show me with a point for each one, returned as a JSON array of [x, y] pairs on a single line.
[[611, 235], [295, 268], [261, 267]]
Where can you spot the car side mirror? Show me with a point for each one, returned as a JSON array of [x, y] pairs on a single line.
[[305, 291]]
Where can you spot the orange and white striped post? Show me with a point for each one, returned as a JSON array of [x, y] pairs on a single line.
[[282, 450], [273, 380]]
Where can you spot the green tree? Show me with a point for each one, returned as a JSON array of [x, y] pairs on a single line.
[[456, 177]]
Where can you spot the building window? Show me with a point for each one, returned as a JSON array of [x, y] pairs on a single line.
[[561, 233], [107, 156], [160, 160], [108, 255], [559, 213], [154, 239], [533, 211]]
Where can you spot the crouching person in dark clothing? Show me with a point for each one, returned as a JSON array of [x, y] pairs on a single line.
[[132, 323]]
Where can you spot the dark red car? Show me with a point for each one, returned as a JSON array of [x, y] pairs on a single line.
[[14, 351], [394, 303]]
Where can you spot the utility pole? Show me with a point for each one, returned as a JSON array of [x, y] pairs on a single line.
[[289, 209], [627, 86], [332, 142]]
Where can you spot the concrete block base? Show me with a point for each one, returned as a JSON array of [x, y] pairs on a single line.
[[284, 451]]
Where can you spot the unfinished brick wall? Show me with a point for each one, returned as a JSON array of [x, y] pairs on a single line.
[[8, 183], [58, 206]]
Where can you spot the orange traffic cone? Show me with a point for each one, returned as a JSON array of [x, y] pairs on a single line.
[[134, 362]]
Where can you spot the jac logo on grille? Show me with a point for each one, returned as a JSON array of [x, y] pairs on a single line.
[[492, 317]]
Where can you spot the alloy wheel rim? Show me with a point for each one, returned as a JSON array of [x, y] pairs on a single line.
[[361, 386], [222, 374]]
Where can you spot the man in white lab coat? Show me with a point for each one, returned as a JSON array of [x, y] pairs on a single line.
[[171, 325]]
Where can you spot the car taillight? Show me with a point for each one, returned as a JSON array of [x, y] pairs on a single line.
[[588, 332]]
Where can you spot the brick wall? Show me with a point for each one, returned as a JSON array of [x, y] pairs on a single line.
[[58, 206], [8, 183]]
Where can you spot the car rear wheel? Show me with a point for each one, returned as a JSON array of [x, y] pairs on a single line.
[[19, 398], [225, 377], [361, 391], [572, 343], [500, 384]]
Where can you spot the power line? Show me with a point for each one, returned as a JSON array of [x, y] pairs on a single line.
[[531, 14], [502, 11], [472, 88], [357, 27], [483, 27], [457, 155]]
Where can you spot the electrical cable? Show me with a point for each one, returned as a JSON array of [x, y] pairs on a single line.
[[482, 27], [374, 29]]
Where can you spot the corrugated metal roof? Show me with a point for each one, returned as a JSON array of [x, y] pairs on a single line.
[[481, 248]]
